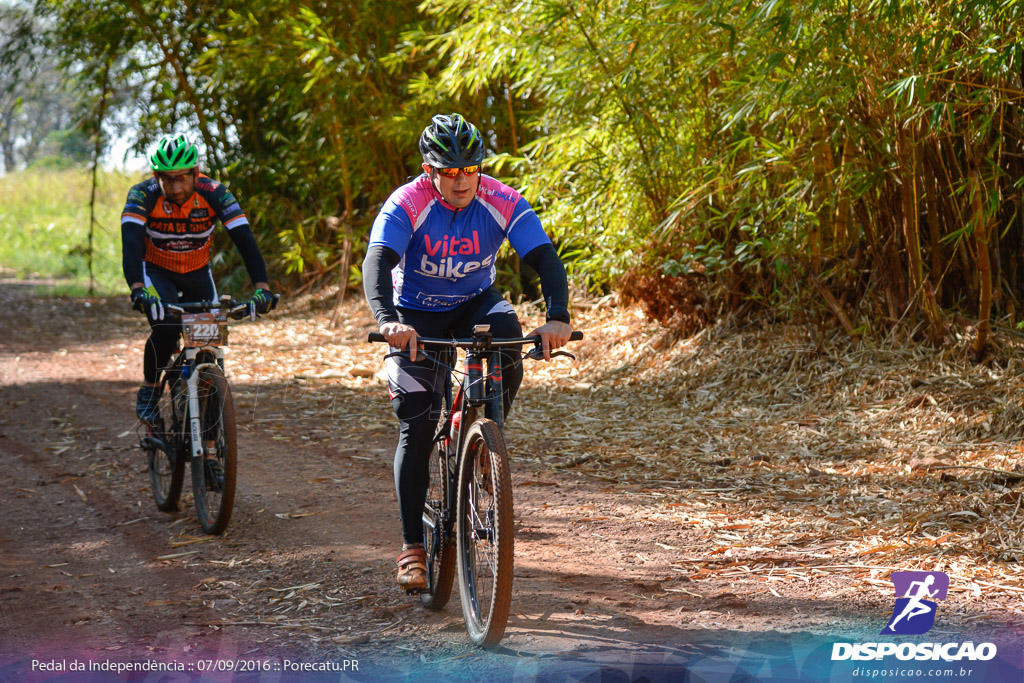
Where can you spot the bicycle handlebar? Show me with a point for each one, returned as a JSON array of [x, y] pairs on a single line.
[[236, 309], [372, 337]]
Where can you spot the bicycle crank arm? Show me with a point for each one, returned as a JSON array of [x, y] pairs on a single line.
[[153, 442]]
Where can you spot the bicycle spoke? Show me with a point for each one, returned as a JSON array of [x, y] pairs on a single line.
[[483, 531]]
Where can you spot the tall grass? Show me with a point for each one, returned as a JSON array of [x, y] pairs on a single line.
[[44, 220]]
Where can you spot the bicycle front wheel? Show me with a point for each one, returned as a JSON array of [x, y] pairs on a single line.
[[437, 538], [484, 532], [164, 457], [214, 472]]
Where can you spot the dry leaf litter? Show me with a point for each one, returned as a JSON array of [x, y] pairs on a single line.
[[741, 461]]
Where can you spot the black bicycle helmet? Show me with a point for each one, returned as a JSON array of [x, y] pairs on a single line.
[[451, 141]]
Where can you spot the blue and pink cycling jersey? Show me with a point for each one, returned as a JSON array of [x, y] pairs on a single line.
[[448, 254]]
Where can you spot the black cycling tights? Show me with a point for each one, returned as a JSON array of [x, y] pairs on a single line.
[[418, 414], [419, 410], [163, 340]]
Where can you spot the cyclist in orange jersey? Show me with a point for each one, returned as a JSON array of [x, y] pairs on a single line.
[[166, 229]]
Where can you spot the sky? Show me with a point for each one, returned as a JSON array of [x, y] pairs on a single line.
[[115, 156]]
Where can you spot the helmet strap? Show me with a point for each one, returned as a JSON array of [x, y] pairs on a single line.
[[433, 175]]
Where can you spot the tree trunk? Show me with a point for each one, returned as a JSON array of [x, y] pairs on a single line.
[[934, 228], [981, 238], [823, 164], [912, 159], [836, 308], [841, 226], [511, 118], [346, 221], [97, 150]]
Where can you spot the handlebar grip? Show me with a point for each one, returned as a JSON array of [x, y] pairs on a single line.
[[375, 337], [577, 335]]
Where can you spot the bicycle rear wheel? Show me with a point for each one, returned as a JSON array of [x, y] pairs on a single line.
[[484, 532], [437, 538], [214, 472], [164, 458]]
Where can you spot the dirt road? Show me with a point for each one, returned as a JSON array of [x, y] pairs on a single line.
[[90, 571]]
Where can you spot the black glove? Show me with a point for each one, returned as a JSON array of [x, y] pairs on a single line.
[[146, 300], [263, 301]]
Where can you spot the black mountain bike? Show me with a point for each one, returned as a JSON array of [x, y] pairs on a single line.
[[468, 518], [197, 416]]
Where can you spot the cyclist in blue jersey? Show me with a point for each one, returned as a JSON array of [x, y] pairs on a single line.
[[429, 271]]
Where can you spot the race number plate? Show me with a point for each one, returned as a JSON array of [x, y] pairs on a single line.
[[203, 329]]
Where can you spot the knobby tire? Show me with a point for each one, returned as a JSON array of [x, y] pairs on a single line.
[[437, 538], [484, 532], [167, 464], [217, 430]]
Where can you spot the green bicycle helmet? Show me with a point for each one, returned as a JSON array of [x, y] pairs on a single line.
[[451, 141], [173, 153]]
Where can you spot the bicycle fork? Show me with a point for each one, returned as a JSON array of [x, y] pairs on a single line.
[[482, 384], [190, 373]]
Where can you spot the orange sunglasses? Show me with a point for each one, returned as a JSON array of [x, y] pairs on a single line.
[[454, 172]]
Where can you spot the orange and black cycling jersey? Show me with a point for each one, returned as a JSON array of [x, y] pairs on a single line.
[[177, 238]]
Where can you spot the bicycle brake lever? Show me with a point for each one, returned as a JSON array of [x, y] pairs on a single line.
[[421, 356], [537, 353], [238, 312]]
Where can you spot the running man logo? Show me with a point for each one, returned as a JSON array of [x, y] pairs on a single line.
[[915, 608]]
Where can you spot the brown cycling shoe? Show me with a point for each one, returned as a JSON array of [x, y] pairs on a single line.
[[412, 569]]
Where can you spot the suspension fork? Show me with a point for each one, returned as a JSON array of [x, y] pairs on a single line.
[[481, 386], [496, 388], [482, 382], [469, 393], [190, 373]]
